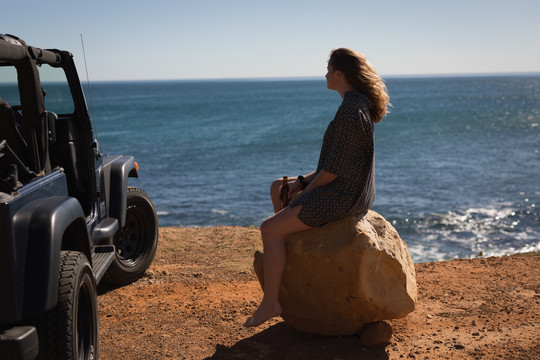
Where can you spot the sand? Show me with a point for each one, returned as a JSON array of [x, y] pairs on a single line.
[[201, 287]]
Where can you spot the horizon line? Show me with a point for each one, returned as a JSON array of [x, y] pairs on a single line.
[[285, 78]]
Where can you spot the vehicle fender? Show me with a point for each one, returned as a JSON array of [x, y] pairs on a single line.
[[121, 168], [46, 222]]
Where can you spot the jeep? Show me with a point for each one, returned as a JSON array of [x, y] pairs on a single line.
[[68, 218]]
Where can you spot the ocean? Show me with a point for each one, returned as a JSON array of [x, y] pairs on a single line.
[[457, 158]]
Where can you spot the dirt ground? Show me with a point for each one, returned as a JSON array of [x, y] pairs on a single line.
[[193, 300]]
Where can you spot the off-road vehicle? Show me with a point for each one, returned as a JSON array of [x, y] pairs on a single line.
[[67, 215]]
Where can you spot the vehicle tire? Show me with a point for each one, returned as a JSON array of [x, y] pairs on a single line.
[[136, 242], [70, 330]]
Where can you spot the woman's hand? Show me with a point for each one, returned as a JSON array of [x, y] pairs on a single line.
[[295, 188]]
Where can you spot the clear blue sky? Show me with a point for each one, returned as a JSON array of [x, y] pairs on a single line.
[[181, 39]]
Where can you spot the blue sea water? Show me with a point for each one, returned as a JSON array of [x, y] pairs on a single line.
[[457, 158]]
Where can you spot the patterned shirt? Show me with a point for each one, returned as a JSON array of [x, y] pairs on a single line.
[[348, 152]]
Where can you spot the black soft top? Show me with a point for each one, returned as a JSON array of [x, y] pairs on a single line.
[[13, 49]]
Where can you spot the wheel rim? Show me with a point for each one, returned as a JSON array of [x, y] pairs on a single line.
[[132, 241], [85, 323]]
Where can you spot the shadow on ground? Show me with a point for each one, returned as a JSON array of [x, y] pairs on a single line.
[[104, 288], [282, 342]]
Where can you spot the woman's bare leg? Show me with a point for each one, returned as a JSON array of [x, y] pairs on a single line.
[[273, 231]]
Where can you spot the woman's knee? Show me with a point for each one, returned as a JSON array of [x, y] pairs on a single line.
[[274, 188], [272, 229], [267, 229]]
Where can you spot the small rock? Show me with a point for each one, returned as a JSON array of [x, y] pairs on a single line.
[[376, 334]]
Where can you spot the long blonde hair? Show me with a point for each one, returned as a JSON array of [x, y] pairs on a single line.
[[361, 75]]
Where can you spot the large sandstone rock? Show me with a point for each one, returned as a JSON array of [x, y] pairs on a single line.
[[344, 275]]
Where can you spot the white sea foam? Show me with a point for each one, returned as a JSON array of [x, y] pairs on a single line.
[[494, 230]]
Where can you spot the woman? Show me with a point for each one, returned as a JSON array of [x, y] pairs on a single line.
[[344, 182]]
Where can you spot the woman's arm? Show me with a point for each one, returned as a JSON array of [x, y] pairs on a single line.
[[309, 177], [322, 178], [314, 181]]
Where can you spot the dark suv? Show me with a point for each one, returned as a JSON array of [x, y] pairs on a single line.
[[68, 218]]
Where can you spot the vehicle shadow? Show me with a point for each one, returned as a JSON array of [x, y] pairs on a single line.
[[104, 288], [282, 342]]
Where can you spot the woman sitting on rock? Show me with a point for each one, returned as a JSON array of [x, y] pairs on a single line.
[[343, 184]]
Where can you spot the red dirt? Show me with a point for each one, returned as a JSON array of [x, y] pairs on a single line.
[[193, 300]]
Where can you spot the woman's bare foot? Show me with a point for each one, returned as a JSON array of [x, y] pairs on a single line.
[[263, 314]]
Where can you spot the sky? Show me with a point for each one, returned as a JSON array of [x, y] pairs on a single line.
[[213, 39]]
